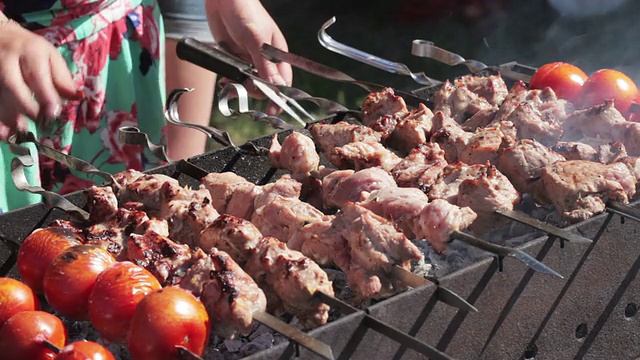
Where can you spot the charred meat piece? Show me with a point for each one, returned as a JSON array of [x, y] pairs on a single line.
[[519, 94], [412, 130], [337, 188], [627, 133], [227, 187], [362, 155], [485, 145], [165, 259], [382, 109], [449, 135], [459, 102], [490, 191], [230, 296], [102, 203], [579, 189], [293, 278], [375, 246], [421, 168], [438, 220], [574, 150], [281, 217], [233, 235], [145, 189], [322, 241], [492, 88], [329, 136], [596, 122], [480, 119], [446, 187], [532, 124], [612, 152], [400, 205], [285, 187], [187, 219], [522, 163], [112, 234], [296, 154]]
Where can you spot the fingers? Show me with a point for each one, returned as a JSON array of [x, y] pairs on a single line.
[[15, 96], [38, 77], [62, 79]]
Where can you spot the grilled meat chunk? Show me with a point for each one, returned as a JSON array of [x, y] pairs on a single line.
[[627, 133], [539, 99], [235, 236], [382, 110], [492, 88], [596, 122], [281, 217], [293, 279], [112, 234], [533, 124], [230, 296], [574, 150], [579, 189], [400, 205], [145, 188], [438, 220], [522, 163], [458, 102], [285, 186], [375, 246], [362, 155], [231, 194], [322, 241], [329, 136], [421, 168], [296, 154], [102, 203], [485, 145], [448, 135], [165, 259], [337, 188], [446, 187], [412, 130]]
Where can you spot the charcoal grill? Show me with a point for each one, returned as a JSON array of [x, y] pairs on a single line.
[[591, 313]]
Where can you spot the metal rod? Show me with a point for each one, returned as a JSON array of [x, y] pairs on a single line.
[[505, 251], [548, 228], [443, 294], [51, 346], [295, 335], [385, 329], [623, 210]]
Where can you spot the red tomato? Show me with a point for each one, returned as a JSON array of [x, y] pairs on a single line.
[[165, 319], [114, 298], [22, 336], [609, 84], [565, 79], [70, 278], [15, 297], [39, 249], [84, 350]]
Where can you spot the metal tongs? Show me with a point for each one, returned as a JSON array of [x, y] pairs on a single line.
[[393, 67], [427, 49]]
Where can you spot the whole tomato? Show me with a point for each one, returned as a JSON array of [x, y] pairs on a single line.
[[566, 80], [165, 319], [22, 336], [15, 297], [70, 278], [608, 84], [84, 350], [39, 249], [115, 296]]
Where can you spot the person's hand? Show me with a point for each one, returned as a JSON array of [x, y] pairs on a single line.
[[33, 79], [242, 26]]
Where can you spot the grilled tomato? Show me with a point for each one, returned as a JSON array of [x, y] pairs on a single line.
[[566, 80], [39, 249], [114, 298], [84, 350], [22, 336], [608, 84], [165, 319], [15, 297], [70, 278]]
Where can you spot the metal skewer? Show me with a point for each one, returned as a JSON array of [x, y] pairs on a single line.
[[623, 210], [384, 328], [505, 251], [548, 228], [393, 67]]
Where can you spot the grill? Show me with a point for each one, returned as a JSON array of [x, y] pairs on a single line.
[[591, 313]]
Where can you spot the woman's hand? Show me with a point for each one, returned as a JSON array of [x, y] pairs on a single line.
[[242, 26], [33, 78]]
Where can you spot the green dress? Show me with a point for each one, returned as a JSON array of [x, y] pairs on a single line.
[[114, 49]]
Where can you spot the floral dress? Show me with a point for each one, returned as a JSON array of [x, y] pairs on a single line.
[[114, 49]]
